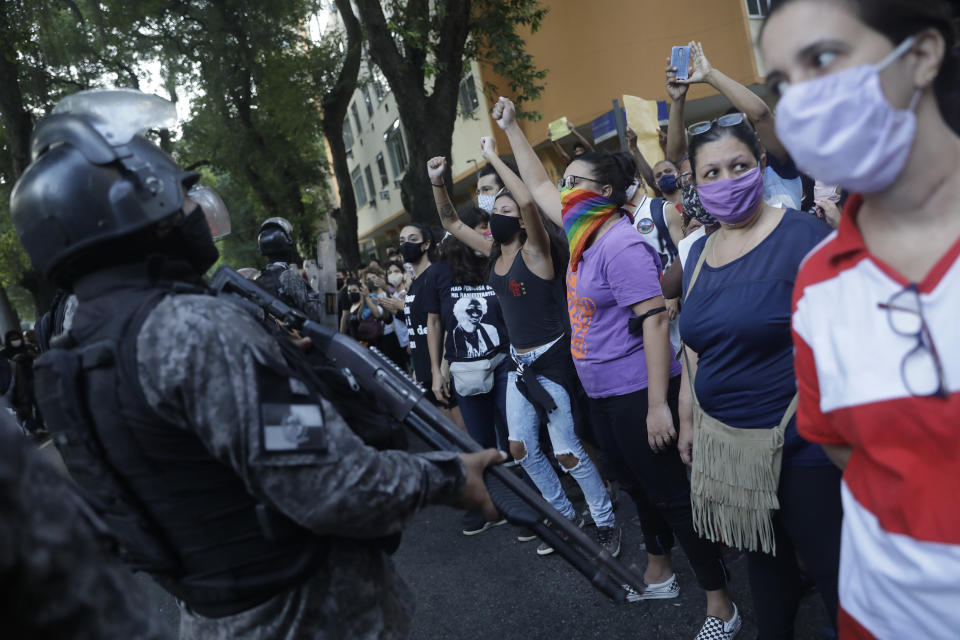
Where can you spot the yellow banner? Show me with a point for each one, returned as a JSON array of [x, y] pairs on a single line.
[[559, 128], [642, 117]]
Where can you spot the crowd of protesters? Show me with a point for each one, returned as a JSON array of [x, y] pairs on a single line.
[[750, 367], [751, 338]]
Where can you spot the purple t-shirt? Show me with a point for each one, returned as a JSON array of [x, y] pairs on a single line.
[[617, 271]]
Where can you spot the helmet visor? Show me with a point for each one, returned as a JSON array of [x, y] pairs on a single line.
[[214, 209]]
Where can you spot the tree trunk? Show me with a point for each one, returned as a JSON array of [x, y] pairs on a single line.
[[427, 120], [334, 103], [16, 120], [348, 243], [428, 133], [8, 315], [41, 289]]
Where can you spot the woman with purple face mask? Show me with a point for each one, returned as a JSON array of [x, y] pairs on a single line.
[[736, 425], [870, 102]]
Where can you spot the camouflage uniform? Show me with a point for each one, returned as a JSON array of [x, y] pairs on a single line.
[[59, 580], [201, 362], [295, 291]]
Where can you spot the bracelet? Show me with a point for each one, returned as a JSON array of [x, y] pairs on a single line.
[[439, 186]]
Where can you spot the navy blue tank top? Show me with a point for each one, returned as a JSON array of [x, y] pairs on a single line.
[[534, 309]]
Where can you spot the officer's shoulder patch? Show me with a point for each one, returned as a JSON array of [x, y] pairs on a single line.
[[290, 420]]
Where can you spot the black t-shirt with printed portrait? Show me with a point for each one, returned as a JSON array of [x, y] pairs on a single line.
[[423, 297], [473, 321]]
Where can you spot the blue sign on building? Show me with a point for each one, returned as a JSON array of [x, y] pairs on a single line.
[[605, 127]]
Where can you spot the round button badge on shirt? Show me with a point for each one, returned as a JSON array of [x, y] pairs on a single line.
[[645, 225]]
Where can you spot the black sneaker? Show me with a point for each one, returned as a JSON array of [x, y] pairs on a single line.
[[545, 549], [609, 539], [614, 494], [526, 535], [474, 523]]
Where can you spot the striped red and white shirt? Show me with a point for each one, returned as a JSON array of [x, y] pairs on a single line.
[[900, 551]]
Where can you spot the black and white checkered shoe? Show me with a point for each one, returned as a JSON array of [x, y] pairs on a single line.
[[667, 589], [716, 629]]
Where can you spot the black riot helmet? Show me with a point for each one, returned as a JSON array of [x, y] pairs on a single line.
[[276, 240], [93, 181]]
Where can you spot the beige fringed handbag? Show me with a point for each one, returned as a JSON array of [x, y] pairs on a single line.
[[733, 486]]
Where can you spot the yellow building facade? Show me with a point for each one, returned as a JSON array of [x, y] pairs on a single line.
[[595, 52]]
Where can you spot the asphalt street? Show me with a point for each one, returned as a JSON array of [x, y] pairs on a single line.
[[491, 585]]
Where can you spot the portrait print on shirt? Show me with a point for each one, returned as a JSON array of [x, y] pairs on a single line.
[[474, 323], [472, 338]]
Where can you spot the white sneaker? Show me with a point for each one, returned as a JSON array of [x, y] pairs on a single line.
[[669, 588], [716, 629]]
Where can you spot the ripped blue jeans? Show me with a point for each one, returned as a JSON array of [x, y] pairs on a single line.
[[524, 426]]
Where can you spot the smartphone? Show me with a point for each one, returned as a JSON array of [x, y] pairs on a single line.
[[680, 58]]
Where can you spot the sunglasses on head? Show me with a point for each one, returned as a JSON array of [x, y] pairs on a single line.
[[729, 120]]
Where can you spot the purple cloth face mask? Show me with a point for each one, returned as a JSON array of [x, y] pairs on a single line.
[[733, 200], [840, 128]]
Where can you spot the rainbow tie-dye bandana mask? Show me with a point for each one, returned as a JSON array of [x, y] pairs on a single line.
[[583, 212]]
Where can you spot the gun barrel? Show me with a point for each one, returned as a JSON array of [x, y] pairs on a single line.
[[402, 398]]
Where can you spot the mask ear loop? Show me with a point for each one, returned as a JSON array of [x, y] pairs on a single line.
[[915, 100], [901, 49]]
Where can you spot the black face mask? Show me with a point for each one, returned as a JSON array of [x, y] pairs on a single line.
[[354, 296], [503, 228], [411, 251], [339, 284], [191, 241]]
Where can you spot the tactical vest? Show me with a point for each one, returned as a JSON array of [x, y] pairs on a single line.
[[269, 279], [176, 511]]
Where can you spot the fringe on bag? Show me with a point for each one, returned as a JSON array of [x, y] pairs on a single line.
[[734, 483]]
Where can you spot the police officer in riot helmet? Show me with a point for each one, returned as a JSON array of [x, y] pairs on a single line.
[[213, 460], [281, 277]]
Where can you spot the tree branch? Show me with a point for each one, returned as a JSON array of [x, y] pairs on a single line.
[[383, 50]]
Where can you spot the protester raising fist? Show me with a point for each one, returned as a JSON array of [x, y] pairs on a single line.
[[436, 168]]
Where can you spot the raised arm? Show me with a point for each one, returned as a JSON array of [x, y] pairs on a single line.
[[643, 167], [538, 242], [436, 170], [543, 189], [742, 99], [676, 132], [583, 141]]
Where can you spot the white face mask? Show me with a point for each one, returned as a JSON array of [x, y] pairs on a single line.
[[632, 189], [485, 202], [395, 279], [840, 128]]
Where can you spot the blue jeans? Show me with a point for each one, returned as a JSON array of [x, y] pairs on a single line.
[[524, 426], [485, 415]]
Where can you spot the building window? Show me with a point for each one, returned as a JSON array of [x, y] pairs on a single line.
[[758, 8], [356, 117], [370, 185], [359, 191], [368, 102], [468, 96], [396, 148], [382, 167], [347, 136], [379, 84]]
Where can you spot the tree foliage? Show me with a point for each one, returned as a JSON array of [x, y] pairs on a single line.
[[262, 95], [254, 109], [421, 47]]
